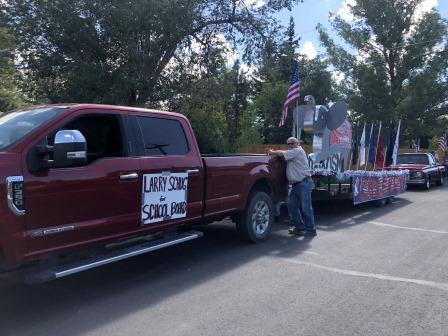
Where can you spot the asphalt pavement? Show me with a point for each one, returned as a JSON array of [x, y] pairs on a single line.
[[370, 271]]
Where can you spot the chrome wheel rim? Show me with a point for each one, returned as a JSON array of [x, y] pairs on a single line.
[[260, 218]]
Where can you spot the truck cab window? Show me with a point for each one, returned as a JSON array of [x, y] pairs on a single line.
[[103, 135], [16, 125], [163, 137]]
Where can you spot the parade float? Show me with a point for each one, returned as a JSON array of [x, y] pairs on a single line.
[[330, 159]]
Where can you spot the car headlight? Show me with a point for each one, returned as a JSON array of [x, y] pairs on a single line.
[[418, 174]]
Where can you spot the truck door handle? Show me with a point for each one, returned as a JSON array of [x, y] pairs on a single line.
[[129, 176], [192, 171]]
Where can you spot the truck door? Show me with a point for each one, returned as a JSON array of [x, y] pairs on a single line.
[[172, 186], [78, 205]]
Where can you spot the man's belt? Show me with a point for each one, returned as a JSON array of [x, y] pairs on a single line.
[[294, 183]]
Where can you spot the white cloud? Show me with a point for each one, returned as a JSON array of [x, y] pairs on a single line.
[[424, 7], [253, 3], [344, 11], [249, 71], [230, 53], [309, 50], [338, 76]]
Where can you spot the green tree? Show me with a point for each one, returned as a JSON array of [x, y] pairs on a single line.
[[238, 90], [275, 72], [216, 105], [396, 64], [10, 96], [121, 51]]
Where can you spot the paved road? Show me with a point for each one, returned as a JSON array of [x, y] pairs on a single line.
[[370, 271]]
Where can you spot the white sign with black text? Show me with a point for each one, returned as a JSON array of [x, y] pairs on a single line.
[[164, 197]]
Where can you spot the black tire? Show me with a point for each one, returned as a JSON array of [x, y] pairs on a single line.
[[390, 199], [255, 224], [381, 202], [440, 181], [427, 185]]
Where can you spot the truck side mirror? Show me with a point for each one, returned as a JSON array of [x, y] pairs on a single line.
[[70, 149]]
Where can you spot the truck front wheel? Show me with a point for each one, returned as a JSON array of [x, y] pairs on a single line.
[[427, 184], [440, 181], [255, 224]]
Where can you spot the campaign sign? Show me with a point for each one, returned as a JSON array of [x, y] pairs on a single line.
[[342, 136], [164, 197], [369, 188]]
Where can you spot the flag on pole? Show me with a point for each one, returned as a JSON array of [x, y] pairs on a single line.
[[442, 142], [372, 145], [293, 93], [390, 146], [362, 147], [397, 140], [379, 159]]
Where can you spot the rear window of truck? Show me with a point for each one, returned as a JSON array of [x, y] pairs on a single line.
[[163, 136], [16, 125]]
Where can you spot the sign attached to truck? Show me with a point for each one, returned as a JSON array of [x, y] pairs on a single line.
[[164, 197]]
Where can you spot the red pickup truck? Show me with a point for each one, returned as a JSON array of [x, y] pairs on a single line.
[[119, 180]]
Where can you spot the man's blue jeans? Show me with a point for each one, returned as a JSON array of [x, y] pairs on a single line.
[[300, 196]]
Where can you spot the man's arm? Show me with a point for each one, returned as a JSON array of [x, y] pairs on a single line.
[[278, 153]]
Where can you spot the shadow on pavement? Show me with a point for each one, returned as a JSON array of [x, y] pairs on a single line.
[[84, 302]]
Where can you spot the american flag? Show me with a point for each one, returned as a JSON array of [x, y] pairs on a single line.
[[442, 142], [293, 93]]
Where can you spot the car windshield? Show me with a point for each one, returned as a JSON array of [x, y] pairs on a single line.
[[413, 158], [15, 125]]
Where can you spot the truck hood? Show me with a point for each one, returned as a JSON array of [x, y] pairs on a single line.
[[410, 166]]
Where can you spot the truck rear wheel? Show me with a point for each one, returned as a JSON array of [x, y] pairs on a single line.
[[255, 224]]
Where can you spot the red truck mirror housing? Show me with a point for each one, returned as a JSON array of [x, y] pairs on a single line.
[[70, 149]]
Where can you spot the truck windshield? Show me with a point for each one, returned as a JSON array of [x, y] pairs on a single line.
[[413, 158], [15, 125]]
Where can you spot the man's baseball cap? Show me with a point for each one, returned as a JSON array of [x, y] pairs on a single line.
[[308, 98]]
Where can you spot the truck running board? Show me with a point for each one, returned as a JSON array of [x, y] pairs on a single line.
[[107, 258]]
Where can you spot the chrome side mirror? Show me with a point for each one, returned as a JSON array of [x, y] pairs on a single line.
[[70, 149]]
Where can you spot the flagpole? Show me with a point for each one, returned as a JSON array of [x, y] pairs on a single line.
[[350, 158], [444, 152], [359, 156], [376, 147], [357, 159], [299, 130], [387, 146], [368, 147], [396, 144]]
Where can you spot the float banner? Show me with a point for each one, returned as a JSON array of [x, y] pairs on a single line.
[[164, 197], [367, 187]]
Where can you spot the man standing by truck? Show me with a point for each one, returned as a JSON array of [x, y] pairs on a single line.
[[299, 176]]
